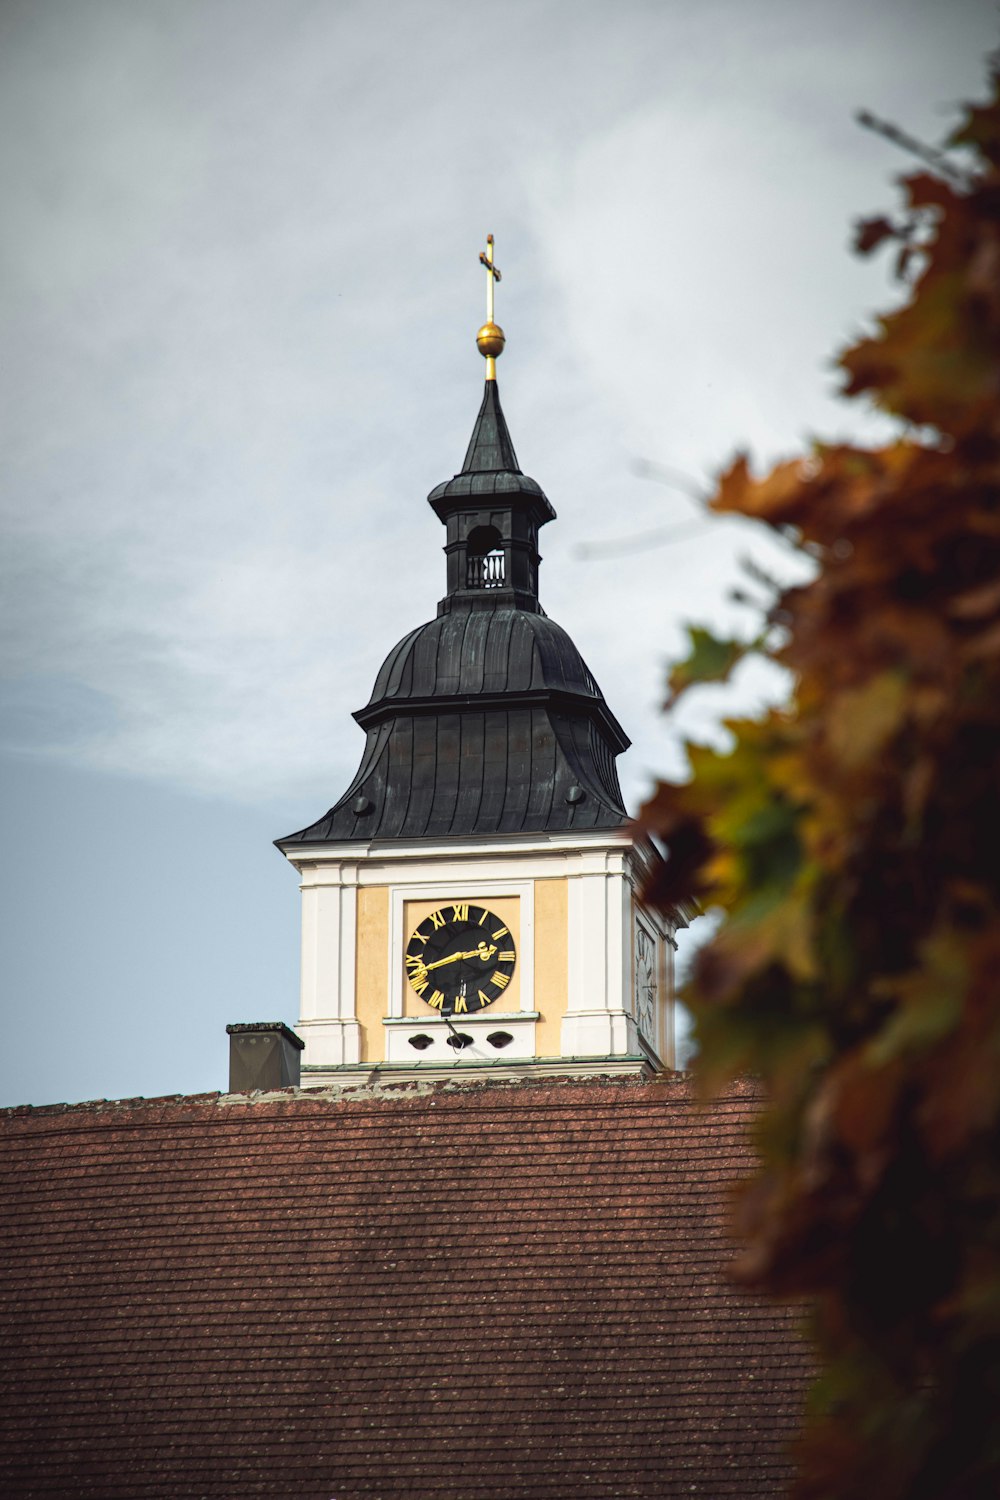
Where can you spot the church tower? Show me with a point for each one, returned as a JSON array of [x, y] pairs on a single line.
[[471, 901]]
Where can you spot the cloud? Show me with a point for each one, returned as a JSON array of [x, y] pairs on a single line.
[[240, 259]]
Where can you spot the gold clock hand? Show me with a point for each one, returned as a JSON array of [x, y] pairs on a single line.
[[452, 958], [483, 953]]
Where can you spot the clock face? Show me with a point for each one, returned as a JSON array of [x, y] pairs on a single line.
[[645, 980], [460, 958]]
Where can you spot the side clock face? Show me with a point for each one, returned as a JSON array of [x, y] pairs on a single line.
[[460, 958], [645, 981]]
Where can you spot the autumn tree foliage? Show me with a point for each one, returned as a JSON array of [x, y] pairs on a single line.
[[852, 840]]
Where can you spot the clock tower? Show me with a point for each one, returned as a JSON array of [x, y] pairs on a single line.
[[471, 903]]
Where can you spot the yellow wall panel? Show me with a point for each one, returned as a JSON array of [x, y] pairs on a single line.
[[373, 969], [551, 963]]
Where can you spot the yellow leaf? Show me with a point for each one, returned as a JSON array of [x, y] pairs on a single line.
[[862, 719]]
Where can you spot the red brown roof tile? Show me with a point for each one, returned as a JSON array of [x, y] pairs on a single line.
[[494, 1292]]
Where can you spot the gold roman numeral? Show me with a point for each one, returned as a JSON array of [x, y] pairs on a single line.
[[419, 985], [418, 937], [500, 980], [414, 961], [437, 1000], [437, 919], [460, 1006], [486, 999], [460, 913], [500, 932], [506, 957], [482, 919]]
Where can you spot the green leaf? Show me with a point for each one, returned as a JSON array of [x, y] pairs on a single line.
[[710, 659]]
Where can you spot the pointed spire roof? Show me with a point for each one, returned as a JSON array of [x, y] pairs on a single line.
[[490, 467], [485, 720], [490, 448]]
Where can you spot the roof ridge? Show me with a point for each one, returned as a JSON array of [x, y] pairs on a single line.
[[551, 1094]]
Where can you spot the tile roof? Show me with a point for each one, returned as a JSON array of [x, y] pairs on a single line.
[[487, 1292]]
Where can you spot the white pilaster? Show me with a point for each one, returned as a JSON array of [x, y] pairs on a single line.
[[328, 1020], [597, 1022]]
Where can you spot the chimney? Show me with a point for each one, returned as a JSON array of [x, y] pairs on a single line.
[[263, 1055]]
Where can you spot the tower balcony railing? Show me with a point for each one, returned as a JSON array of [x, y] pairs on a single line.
[[488, 572]]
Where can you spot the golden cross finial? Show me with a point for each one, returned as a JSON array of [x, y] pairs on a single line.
[[492, 275], [490, 338]]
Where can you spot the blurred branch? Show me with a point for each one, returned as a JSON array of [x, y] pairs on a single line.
[[660, 536], [933, 157], [676, 479], [663, 536]]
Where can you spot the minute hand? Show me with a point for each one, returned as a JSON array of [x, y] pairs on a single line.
[[481, 952]]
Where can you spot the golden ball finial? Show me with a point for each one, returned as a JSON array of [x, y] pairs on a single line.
[[490, 340]]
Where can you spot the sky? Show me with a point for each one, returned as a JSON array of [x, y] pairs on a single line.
[[239, 290]]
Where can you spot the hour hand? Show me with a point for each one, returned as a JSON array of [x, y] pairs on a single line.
[[482, 952]]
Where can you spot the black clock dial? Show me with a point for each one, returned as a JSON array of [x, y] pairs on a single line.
[[460, 958]]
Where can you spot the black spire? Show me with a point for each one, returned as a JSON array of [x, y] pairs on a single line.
[[490, 448], [486, 720], [493, 513]]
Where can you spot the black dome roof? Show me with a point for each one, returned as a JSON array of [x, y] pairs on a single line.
[[486, 720], [480, 723], [503, 650]]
